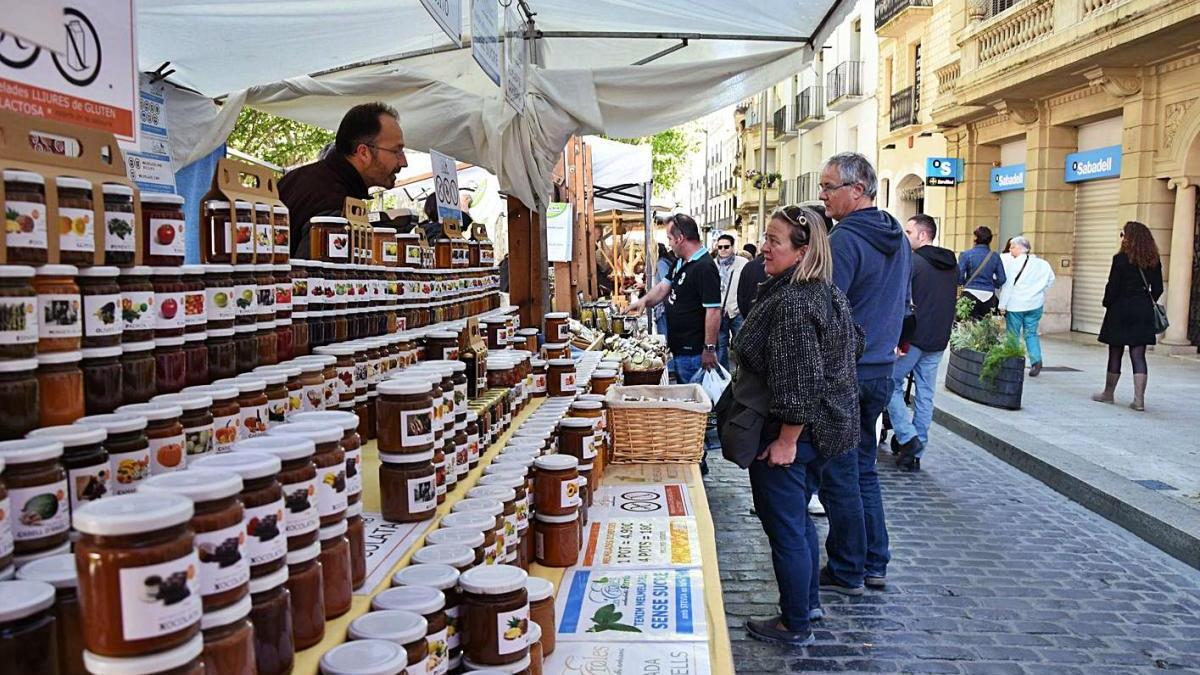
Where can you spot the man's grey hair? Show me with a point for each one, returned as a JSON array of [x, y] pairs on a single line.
[[855, 168], [1022, 242]]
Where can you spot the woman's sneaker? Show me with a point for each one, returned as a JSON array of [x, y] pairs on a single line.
[[773, 630]]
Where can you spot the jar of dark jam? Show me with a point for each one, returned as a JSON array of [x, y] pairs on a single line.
[[308, 595], [29, 629], [59, 572], [138, 311], [18, 398], [170, 365], [264, 234], [283, 290], [101, 307], [335, 564], [300, 334], [271, 614], [357, 535], [299, 480], [76, 225], [120, 230], [102, 381], [216, 241], [195, 351], [18, 312], [229, 639], [264, 518], [281, 235], [494, 598], [220, 304], [268, 346], [25, 206], [162, 229], [246, 344], [245, 295], [33, 467], [196, 419], [243, 240], [264, 281], [168, 302], [138, 377], [195, 313], [222, 353]]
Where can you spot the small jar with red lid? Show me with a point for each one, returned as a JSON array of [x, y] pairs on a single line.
[[299, 480], [101, 308], [169, 320], [162, 229]]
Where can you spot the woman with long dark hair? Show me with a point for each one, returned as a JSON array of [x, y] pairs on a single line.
[[1134, 284]]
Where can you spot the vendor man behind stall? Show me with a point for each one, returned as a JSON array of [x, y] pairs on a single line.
[[368, 152]]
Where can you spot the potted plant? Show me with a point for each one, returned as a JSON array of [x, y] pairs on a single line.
[[987, 363]]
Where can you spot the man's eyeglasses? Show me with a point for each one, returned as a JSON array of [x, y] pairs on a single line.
[[826, 189], [399, 152]]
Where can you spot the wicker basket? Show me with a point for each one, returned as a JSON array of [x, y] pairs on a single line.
[[642, 377], [658, 432]]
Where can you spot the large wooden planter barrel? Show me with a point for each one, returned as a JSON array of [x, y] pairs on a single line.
[[962, 378]]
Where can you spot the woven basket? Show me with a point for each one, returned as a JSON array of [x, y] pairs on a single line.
[[641, 377], [658, 432]]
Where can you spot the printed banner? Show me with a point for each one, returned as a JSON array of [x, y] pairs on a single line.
[[641, 501], [595, 658], [386, 544], [634, 543], [642, 606], [633, 474]]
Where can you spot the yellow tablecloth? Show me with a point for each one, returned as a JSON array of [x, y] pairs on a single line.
[[308, 660]]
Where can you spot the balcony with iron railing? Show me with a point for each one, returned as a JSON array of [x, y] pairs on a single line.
[[891, 16], [810, 107], [808, 187], [784, 122], [844, 85], [905, 106]]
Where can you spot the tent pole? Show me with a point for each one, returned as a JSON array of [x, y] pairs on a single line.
[[651, 35], [647, 214], [762, 173]]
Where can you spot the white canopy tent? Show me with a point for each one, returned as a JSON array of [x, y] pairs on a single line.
[[310, 60]]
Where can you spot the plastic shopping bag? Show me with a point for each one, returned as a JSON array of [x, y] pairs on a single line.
[[714, 382]]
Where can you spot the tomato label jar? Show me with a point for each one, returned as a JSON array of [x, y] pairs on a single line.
[[25, 217], [244, 235], [282, 235], [162, 228]]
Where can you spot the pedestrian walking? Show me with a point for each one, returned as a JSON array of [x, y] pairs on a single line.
[[934, 294], [1024, 296], [730, 266], [800, 341], [871, 263], [1134, 286], [981, 273]]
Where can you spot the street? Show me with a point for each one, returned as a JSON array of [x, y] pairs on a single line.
[[992, 572]]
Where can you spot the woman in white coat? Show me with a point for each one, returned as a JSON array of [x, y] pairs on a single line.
[[1024, 295]]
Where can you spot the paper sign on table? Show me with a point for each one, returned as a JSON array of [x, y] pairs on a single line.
[[648, 473], [386, 544], [641, 501], [633, 543], [642, 605], [590, 658]]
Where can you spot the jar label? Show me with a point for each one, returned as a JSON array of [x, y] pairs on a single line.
[[283, 239], [198, 441], [295, 402], [300, 290], [277, 411], [460, 398], [245, 237], [362, 375], [18, 320], [301, 500], [264, 241], [89, 483], [412, 255], [438, 660], [283, 297], [166, 455], [222, 556], [510, 527], [589, 446], [416, 427], [166, 237], [245, 297], [6, 535], [254, 421], [566, 382], [77, 232], [265, 542], [439, 474], [266, 298], [354, 484], [511, 628], [569, 494], [539, 383], [218, 304], [564, 332], [40, 511], [160, 599], [522, 514], [486, 256], [225, 432], [345, 380], [312, 397], [462, 460], [58, 315], [451, 472], [331, 489], [539, 545], [453, 627], [422, 494], [473, 448], [137, 310], [337, 246], [118, 232], [374, 371], [450, 353], [194, 311], [331, 393], [25, 224], [170, 311], [129, 470], [390, 252]]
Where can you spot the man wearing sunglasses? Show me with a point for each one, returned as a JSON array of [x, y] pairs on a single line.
[[730, 265], [368, 152]]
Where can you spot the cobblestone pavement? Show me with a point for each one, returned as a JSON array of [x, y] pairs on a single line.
[[992, 573]]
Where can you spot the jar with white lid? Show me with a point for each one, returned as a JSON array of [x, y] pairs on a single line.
[[264, 519], [37, 490], [496, 614], [271, 614], [429, 603], [229, 638], [404, 628], [365, 657], [183, 660], [59, 572], [298, 478]]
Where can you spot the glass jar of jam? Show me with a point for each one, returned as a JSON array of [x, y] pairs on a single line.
[[120, 232], [18, 312], [59, 572], [28, 626], [407, 487], [555, 350], [264, 234], [162, 229], [25, 196], [271, 614], [560, 380], [496, 614], [185, 660], [603, 380], [312, 392], [330, 465], [508, 498], [127, 447], [298, 479], [386, 252], [37, 485], [424, 601], [514, 480], [252, 402], [168, 301], [138, 377], [197, 420], [301, 334], [264, 279], [264, 516], [329, 239], [406, 629], [377, 657], [556, 488], [468, 522], [335, 566], [441, 345], [443, 578], [345, 370], [308, 595], [556, 327], [138, 311], [101, 309], [60, 318], [195, 312], [76, 221], [220, 303], [102, 386], [229, 638], [330, 374], [541, 612], [405, 412], [245, 343], [473, 440], [226, 413], [60, 388], [351, 445], [556, 539], [216, 240], [576, 437], [291, 385], [164, 430], [217, 523], [221, 353], [170, 365], [281, 234], [195, 352], [268, 346], [245, 295], [528, 339], [244, 239], [136, 559], [89, 473], [283, 290], [538, 388], [18, 398]]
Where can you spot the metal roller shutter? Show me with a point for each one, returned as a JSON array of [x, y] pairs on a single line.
[[1096, 240]]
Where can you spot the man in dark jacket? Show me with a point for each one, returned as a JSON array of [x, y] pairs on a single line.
[[934, 294], [753, 274], [871, 263]]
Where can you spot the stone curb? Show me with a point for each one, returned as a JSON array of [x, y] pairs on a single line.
[[1161, 521]]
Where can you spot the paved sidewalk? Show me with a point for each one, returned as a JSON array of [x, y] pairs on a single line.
[[992, 572]]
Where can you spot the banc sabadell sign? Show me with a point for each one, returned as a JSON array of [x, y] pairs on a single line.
[[1005, 178], [1093, 164]]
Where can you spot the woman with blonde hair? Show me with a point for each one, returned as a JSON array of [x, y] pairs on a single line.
[[800, 341]]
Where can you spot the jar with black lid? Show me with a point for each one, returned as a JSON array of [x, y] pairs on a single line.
[[120, 231], [195, 352], [76, 222], [220, 305], [246, 344], [37, 484], [195, 314], [138, 311], [222, 353], [162, 229], [245, 295], [25, 238], [18, 312], [102, 380], [102, 323]]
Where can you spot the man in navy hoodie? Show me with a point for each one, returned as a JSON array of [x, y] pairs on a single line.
[[871, 265]]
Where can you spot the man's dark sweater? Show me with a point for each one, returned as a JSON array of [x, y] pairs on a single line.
[[753, 274], [871, 264], [934, 294], [318, 189]]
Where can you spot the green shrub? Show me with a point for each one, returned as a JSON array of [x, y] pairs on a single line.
[[987, 336]]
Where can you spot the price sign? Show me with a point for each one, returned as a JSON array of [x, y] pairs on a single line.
[[445, 185], [485, 38]]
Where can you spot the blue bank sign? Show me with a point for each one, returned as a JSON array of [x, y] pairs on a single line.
[[943, 171], [1094, 164], [1007, 178]]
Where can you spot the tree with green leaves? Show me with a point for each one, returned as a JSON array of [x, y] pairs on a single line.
[[669, 150], [277, 140]]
